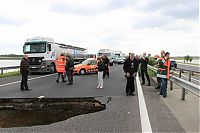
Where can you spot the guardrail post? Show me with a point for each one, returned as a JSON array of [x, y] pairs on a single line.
[[1, 71], [190, 76], [183, 89], [171, 85], [183, 94]]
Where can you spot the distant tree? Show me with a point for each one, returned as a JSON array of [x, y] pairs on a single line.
[[190, 59], [187, 58]]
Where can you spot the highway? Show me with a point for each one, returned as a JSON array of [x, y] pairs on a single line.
[[123, 113]]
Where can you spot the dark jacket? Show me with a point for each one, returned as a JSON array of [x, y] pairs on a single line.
[[69, 64], [144, 63], [106, 62], [24, 66], [131, 66], [100, 66]]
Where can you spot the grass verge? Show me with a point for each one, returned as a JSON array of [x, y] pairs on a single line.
[[9, 74]]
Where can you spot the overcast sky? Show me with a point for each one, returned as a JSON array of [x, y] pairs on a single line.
[[128, 25]]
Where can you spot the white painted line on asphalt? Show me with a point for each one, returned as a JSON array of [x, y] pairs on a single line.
[[28, 80], [144, 117]]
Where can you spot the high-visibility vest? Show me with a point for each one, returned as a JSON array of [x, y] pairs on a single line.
[[167, 64], [163, 68], [60, 64]]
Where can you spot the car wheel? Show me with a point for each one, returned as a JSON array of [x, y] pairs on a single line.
[[82, 71]]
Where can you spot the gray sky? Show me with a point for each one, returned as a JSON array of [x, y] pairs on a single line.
[[128, 25]]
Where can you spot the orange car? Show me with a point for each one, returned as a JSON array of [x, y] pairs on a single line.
[[87, 66]]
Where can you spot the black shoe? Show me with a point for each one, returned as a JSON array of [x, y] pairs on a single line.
[[64, 81], [69, 84], [164, 96], [57, 81], [160, 94], [28, 89], [142, 83]]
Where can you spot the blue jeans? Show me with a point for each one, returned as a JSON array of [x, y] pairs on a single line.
[[163, 87]]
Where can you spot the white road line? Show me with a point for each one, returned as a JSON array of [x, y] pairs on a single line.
[[28, 80], [145, 123]]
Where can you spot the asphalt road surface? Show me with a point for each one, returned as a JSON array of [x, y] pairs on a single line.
[[146, 111]]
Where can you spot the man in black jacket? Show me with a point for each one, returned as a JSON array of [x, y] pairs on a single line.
[[24, 70], [69, 69], [106, 66], [130, 68], [144, 62]]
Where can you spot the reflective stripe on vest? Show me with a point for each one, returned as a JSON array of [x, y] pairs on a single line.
[[60, 64]]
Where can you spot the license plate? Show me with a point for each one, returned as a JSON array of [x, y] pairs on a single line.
[[33, 67]]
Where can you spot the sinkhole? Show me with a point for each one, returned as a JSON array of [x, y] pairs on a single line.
[[26, 112]]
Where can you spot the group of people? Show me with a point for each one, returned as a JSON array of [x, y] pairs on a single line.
[[131, 66], [103, 69], [65, 67]]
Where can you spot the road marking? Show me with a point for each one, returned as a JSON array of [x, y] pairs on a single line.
[[144, 117], [28, 80]]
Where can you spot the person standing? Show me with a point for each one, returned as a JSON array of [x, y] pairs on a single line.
[[130, 68], [100, 66], [24, 70], [144, 62], [106, 66], [60, 67], [162, 55], [69, 69], [163, 73]]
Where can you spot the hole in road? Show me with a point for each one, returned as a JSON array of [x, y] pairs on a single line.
[[20, 112]]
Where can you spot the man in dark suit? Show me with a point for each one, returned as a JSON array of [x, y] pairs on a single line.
[[130, 68], [144, 62]]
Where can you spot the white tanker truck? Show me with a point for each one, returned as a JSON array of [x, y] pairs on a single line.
[[43, 52]]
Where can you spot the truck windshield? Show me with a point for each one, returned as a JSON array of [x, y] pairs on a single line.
[[35, 47]]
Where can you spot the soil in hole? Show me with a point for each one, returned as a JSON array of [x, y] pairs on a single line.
[[32, 112]]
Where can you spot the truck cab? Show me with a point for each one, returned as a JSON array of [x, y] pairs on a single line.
[[42, 54]]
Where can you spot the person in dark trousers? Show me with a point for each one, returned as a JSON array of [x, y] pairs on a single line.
[[24, 70], [69, 69], [106, 66], [130, 68], [158, 60], [144, 62]]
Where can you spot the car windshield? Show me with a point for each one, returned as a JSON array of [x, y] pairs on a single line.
[[86, 62], [35, 47]]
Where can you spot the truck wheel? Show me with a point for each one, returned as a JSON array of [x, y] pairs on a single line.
[[52, 68], [82, 71]]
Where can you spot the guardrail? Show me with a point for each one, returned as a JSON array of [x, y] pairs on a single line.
[[8, 68], [186, 85]]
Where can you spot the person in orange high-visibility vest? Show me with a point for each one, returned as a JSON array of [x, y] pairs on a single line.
[[163, 73], [60, 67]]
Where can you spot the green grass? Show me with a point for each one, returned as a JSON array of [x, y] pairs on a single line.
[[9, 74], [151, 73]]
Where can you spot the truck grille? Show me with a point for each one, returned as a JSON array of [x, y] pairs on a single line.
[[35, 60]]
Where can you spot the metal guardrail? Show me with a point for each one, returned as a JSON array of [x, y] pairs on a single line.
[[8, 68], [186, 85]]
